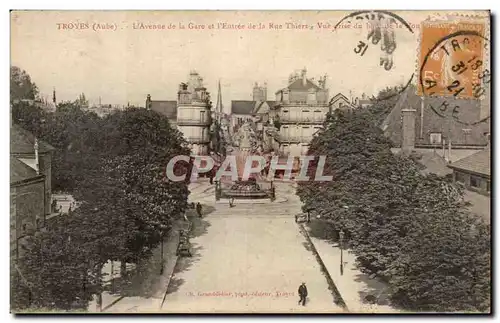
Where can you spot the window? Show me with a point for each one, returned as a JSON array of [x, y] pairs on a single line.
[[460, 177], [488, 186], [475, 181], [435, 138], [202, 116]]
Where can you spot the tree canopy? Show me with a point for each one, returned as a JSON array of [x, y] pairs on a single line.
[[115, 167], [21, 86], [408, 228]]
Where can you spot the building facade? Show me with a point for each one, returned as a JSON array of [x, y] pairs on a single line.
[[474, 172], [191, 113], [255, 110], [301, 109], [35, 154]]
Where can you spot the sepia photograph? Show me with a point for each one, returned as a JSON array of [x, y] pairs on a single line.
[[250, 162]]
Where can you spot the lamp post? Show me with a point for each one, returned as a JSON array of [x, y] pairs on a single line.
[[163, 229], [341, 243]]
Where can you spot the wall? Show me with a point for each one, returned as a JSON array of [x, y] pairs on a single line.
[[340, 103], [29, 204], [466, 180], [13, 223], [191, 112], [298, 114], [293, 149], [194, 132]]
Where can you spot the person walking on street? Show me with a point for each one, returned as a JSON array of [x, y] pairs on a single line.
[[303, 294], [198, 209]]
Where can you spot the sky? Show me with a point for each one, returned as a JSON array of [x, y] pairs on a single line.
[[123, 61]]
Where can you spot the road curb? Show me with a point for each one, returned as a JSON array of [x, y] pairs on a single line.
[[107, 307], [337, 297], [173, 271], [168, 282]]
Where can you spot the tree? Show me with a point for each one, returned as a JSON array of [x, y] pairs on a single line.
[[381, 105], [61, 270], [116, 169], [384, 204], [29, 116], [21, 86]]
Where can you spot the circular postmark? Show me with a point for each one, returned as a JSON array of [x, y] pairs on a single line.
[[375, 39], [454, 77]]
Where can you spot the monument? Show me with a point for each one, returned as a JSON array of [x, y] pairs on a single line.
[[246, 145]]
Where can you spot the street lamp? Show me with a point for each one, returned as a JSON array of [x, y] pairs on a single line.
[[341, 243], [163, 230], [309, 210]]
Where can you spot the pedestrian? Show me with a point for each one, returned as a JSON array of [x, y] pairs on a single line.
[[231, 202], [198, 209], [303, 294]]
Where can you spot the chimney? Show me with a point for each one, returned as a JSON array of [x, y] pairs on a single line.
[[148, 102], [37, 162], [408, 143], [485, 104], [265, 92], [304, 78]]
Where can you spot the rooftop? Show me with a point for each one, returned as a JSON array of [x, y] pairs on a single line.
[[19, 171], [166, 108], [466, 131], [478, 163], [22, 142]]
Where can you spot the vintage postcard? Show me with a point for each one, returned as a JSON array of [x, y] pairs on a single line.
[[250, 162]]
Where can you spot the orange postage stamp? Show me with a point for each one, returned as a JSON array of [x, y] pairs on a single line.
[[451, 59]]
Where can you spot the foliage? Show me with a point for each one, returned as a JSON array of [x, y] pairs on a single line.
[[406, 227], [21, 86], [277, 124], [382, 105], [114, 166]]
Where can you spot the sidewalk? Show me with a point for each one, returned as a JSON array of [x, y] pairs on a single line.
[[353, 285], [145, 285]]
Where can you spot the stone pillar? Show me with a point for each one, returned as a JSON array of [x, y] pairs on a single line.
[[408, 140]]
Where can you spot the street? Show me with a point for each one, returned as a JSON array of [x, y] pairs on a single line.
[[249, 258]]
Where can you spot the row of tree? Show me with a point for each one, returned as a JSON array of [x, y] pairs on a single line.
[[115, 167], [408, 228]]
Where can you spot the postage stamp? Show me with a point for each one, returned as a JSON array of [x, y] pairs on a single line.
[[195, 162], [452, 59]]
